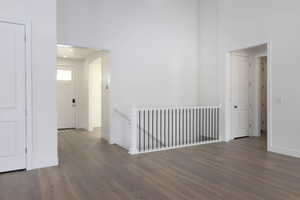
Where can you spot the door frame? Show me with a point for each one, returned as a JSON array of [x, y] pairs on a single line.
[[26, 22], [228, 92]]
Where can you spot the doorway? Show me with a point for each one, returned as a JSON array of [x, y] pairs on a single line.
[[249, 92], [79, 89]]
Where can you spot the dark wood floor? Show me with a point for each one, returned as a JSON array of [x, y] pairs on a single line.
[[91, 169]]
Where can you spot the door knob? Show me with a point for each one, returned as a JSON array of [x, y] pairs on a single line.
[[73, 102], [235, 107]]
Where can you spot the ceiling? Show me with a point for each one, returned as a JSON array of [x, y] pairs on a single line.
[[73, 52]]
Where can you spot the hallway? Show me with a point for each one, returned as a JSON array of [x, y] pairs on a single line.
[[90, 169]]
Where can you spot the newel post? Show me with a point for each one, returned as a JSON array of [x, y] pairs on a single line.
[[134, 125]]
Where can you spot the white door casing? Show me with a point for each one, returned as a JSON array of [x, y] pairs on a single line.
[[66, 117], [240, 95], [12, 97]]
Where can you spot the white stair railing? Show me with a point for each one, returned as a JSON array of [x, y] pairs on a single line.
[[156, 129]]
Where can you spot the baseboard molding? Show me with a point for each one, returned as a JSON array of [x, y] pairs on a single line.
[[285, 151], [135, 152], [43, 163]]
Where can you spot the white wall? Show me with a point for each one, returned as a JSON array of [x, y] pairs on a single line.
[[208, 53], [155, 47], [106, 105], [153, 44], [94, 65], [243, 23], [43, 16], [247, 23]]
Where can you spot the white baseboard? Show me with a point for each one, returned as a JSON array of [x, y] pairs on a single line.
[[43, 163], [285, 151], [135, 152]]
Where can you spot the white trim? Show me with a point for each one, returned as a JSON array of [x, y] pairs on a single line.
[[240, 54], [269, 96], [174, 107], [228, 93], [175, 147], [29, 98], [82, 47], [28, 70], [18, 21]]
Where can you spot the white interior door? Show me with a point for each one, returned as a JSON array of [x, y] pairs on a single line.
[[12, 97], [66, 102], [240, 95]]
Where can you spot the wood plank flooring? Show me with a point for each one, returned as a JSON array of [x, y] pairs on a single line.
[[91, 169]]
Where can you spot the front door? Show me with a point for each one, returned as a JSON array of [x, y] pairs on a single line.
[[66, 101], [12, 97]]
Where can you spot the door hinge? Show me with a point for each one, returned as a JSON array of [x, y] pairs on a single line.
[[26, 151], [25, 38]]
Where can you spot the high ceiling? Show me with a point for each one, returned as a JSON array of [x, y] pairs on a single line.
[[73, 52]]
